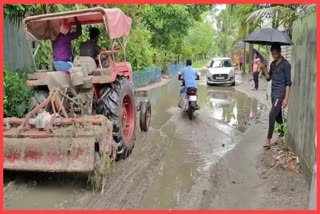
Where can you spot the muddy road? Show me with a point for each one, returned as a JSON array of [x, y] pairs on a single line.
[[169, 164]]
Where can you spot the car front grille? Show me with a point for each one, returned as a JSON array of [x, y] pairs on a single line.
[[220, 76]]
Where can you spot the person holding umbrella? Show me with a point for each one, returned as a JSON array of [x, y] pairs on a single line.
[[280, 74]]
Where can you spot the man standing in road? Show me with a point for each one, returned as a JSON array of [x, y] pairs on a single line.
[[241, 62], [280, 74], [255, 71]]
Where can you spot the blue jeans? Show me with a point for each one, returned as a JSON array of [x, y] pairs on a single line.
[[184, 89], [62, 65]]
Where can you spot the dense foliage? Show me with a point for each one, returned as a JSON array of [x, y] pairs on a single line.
[[199, 40], [16, 93], [157, 35]]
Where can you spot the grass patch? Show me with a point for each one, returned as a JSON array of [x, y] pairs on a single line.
[[200, 63]]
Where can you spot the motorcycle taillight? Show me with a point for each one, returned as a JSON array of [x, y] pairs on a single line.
[[192, 91]]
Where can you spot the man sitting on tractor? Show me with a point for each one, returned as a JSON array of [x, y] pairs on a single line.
[[90, 47], [62, 50]]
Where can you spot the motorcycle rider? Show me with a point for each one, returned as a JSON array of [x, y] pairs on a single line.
[[189, 77]]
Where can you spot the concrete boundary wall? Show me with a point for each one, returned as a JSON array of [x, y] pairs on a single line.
[[302, 101]]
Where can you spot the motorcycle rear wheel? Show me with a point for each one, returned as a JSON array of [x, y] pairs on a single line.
[[190, 113]]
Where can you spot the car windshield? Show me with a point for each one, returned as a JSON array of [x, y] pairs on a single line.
[[215, 63], [220, 63], [226, 63]]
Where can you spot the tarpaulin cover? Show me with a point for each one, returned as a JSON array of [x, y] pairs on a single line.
[[47, 26]]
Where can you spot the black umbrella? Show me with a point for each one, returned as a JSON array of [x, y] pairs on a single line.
[[268, 36]]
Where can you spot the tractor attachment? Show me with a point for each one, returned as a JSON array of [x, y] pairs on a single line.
[[55, 142]]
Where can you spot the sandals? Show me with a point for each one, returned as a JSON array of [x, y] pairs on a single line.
[[268, 146]]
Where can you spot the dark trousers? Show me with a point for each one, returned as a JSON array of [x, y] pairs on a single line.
[[256, 79], [275, 115]]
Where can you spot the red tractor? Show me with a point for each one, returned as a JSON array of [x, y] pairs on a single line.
[[79, 118]]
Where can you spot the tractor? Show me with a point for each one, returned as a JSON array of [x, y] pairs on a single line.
[[77, 119]]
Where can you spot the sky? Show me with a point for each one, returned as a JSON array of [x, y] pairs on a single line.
[[220, 7]]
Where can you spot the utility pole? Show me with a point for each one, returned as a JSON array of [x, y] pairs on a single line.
[[244, 59]]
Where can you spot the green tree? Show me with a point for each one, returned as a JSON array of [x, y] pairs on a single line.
[[277, 14], [140, 56], [226, 24], [169, 24], [16, 93], [246, 28], [156, 29], [200, 40], [16, 12], [280, 15]]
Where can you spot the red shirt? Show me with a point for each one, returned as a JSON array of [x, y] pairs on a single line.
[[256, 65]]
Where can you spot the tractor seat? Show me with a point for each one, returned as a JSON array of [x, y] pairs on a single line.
[[58, 79], [86, 62]]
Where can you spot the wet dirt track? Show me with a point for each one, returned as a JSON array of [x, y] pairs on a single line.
[[168, 164]]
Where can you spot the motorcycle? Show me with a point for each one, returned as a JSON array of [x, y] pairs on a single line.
[[188, 100]]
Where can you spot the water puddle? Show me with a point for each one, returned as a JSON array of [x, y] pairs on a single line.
[[233, 107], [196, 145]]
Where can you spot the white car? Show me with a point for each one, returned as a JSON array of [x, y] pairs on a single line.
[[221, 71]]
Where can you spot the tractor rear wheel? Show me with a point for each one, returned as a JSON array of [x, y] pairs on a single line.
[[117, 104]]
